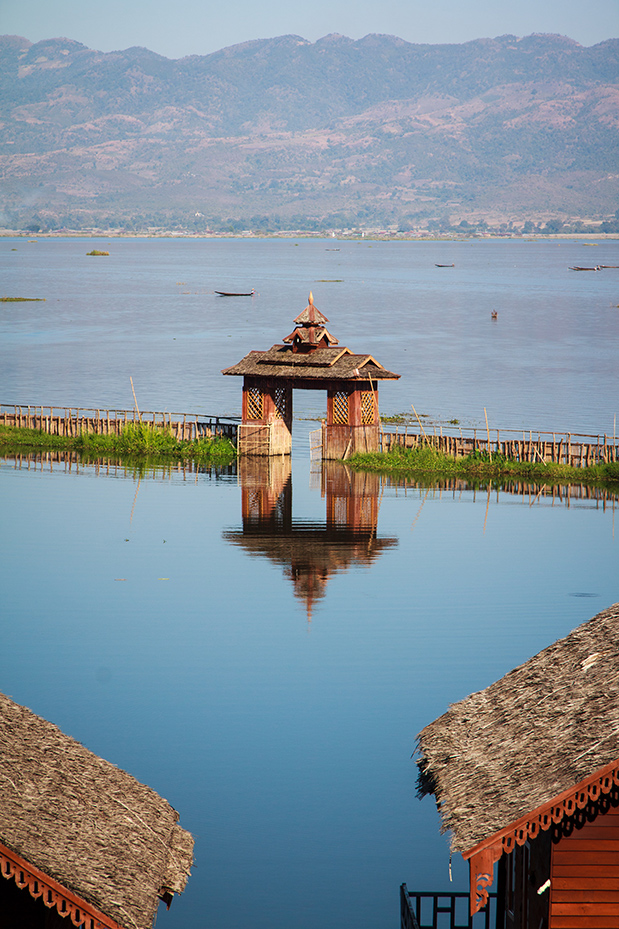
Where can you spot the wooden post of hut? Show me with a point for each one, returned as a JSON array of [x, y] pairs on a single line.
[[310, 358]]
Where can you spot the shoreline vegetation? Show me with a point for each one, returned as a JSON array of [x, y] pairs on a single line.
[[137, 441], [480, 467], [142, 441]]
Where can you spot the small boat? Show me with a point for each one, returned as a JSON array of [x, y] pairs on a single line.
[[228, 293], [444, 266], [577, 268]]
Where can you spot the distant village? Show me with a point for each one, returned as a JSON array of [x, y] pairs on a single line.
[[310, 229]]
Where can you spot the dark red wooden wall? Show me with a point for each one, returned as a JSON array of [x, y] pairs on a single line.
[[584, 892]]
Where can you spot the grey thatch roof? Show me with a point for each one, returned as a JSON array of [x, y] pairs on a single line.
[[92, 827], [322, 364], [539, 731]]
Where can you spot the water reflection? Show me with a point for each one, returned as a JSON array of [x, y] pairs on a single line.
[[288, 755], [132, 468], [353, 499], [309, 552], [527, 492]]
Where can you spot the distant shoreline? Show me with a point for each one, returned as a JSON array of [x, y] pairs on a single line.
[[326, 236]]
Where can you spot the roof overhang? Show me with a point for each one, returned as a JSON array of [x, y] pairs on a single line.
[[330, 363], [38, 884], [483, 856]]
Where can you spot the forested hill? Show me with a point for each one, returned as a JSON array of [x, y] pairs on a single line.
[[283, 131]]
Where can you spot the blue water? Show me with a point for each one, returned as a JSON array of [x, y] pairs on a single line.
[[144, 618]]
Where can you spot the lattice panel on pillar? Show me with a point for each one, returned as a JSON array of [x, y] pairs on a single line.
[[340, 511], [365, 512], [253, 505], [340, 408], [281, 402], [255, 403], [367, 407]]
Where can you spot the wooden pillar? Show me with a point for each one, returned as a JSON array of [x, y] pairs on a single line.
[[266, 426], [352, 419]]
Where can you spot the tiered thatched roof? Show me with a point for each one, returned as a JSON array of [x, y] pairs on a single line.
[[548, 725], [323, 364], [310, 356], [93, 828]]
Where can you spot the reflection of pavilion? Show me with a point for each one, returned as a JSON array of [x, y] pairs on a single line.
[[309, 552]]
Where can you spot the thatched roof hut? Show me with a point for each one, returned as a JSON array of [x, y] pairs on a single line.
[[88, 837], [530, 750]]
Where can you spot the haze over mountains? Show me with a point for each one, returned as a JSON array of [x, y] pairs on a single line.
[[284, 133]]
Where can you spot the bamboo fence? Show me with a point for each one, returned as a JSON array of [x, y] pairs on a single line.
[[71, 422], [575, 449]]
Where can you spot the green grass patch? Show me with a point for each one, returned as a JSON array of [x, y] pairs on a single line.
[[139, 440], [22, 299], [481, 467], [96, 251]]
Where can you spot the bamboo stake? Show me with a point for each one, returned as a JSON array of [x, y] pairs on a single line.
[[419, 421], [488, 432], [135, 400]]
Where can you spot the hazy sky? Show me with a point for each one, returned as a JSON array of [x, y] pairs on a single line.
[[197, 27]]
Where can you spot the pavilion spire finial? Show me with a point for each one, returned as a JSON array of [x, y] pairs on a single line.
[[310, 332]]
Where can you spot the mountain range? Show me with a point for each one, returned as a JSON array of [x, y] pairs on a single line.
[[285, 133]]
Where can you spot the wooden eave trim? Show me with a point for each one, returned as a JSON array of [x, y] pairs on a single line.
[[321, 340], [28, 877], [367, 359], [486, 853], [343, 351]]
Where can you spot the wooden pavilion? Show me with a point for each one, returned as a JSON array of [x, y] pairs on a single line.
[[309, 359], [82, 843], [526, 774]]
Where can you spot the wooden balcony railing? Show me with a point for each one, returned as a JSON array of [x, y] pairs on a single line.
[[423, 910]]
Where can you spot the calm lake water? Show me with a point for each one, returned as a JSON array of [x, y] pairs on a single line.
[[262, 647], [549, 361]]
